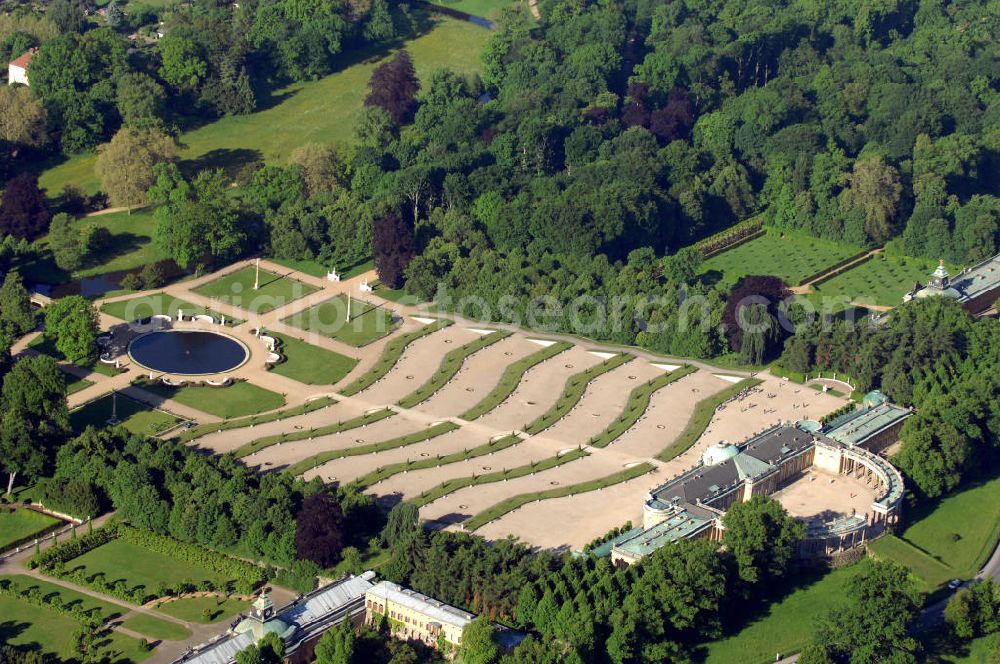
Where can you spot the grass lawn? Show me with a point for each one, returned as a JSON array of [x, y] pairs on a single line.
[[323, 111], [881, 282], [69, 597], [237, 400], [131, 247], [788, 624], [139, 566], [135, 416], [976, 652], [236, 288], [156, 628], [793, 257], [930, 573], [46, 346], [310, 364], [159, 304], [960, 530], [368, 322], [484, 8], [20, 524], [75, 384], [192, 609]]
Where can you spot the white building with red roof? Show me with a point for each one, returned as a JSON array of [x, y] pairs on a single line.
[[17, 71]]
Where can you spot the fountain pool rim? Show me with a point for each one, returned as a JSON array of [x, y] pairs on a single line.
[[229, 337]]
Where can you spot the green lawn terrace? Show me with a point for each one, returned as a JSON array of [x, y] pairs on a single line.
[[310, 364], [237, 289], [27, 626], [365, 323], [324, 111], [45, 346], [880, 281], [205, 610], [791, 256], [19, 524], [159, 304], [135, 416], [236, 400]]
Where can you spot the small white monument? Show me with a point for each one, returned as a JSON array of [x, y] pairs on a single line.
[[180, 315], [365, 287], [332, 275]]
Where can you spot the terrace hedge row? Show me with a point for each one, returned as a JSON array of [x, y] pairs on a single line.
[[241, 422], [512, 503], [393, 443], [702, 417], [732, 237], [91, 618], [339, 427], [511, 378], [575, 387], [384, 472], [390, 355], [638, 402], [835, 269], [453, 485], [450, 365]]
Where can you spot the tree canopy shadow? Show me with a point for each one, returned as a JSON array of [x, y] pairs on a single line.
[[230, 160]]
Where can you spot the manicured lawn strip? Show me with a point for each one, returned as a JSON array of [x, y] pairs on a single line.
[[638, 402], [511, 378], [236, 289], [961, 530], [453, 485], [512, 503], [932, 572], [368, 322], [384, 472], [238, 423], [30, 627], [883, 280], [75, 384], [390, 355], [237, 400], [789, 623], [391, 444], [265, 442], [450, 365], [46, 346], [134, 415], [702, 417], [159, 304], [576, 385], [156, 628], [22, 524], [311, 364], [192, 609], [69, 597]]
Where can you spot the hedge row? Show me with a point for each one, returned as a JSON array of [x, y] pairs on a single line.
[[576, 385], [390, 355], [744, 231], [836, 272], [74, 548], [638, 402], [453, 485], [384, 472], [393, 443], [830, 268], [450, 365], [240, 422], [90, 618], [511, 378], [512, 503], [339, 427], [702, 417]]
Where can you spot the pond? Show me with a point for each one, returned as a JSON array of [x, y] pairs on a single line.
[[188, 352]]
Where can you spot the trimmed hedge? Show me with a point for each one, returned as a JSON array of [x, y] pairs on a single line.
[[391, 444], [354, 423], [390, 355], [835, 267], [638, 402], [836, 272], [240, 422], [733, 236], [388, 471], [450, 365], [453, 485], [511, 378], [512, 503], [702, 417], [576, 385]]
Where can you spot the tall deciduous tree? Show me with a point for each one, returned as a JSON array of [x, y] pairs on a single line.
[[126, 163], [394, 86], [319, 535], [140, 101], [479, 644], [24, 213], [17, 315], [22, 116], [762, 538], [337, 645], [393, 247], [323, 170], [874, 188], [71, 322]]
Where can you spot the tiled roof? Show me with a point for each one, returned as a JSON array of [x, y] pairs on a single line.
[[24, 59]]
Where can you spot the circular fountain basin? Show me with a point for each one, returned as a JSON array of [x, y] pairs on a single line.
[[188, 352]]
